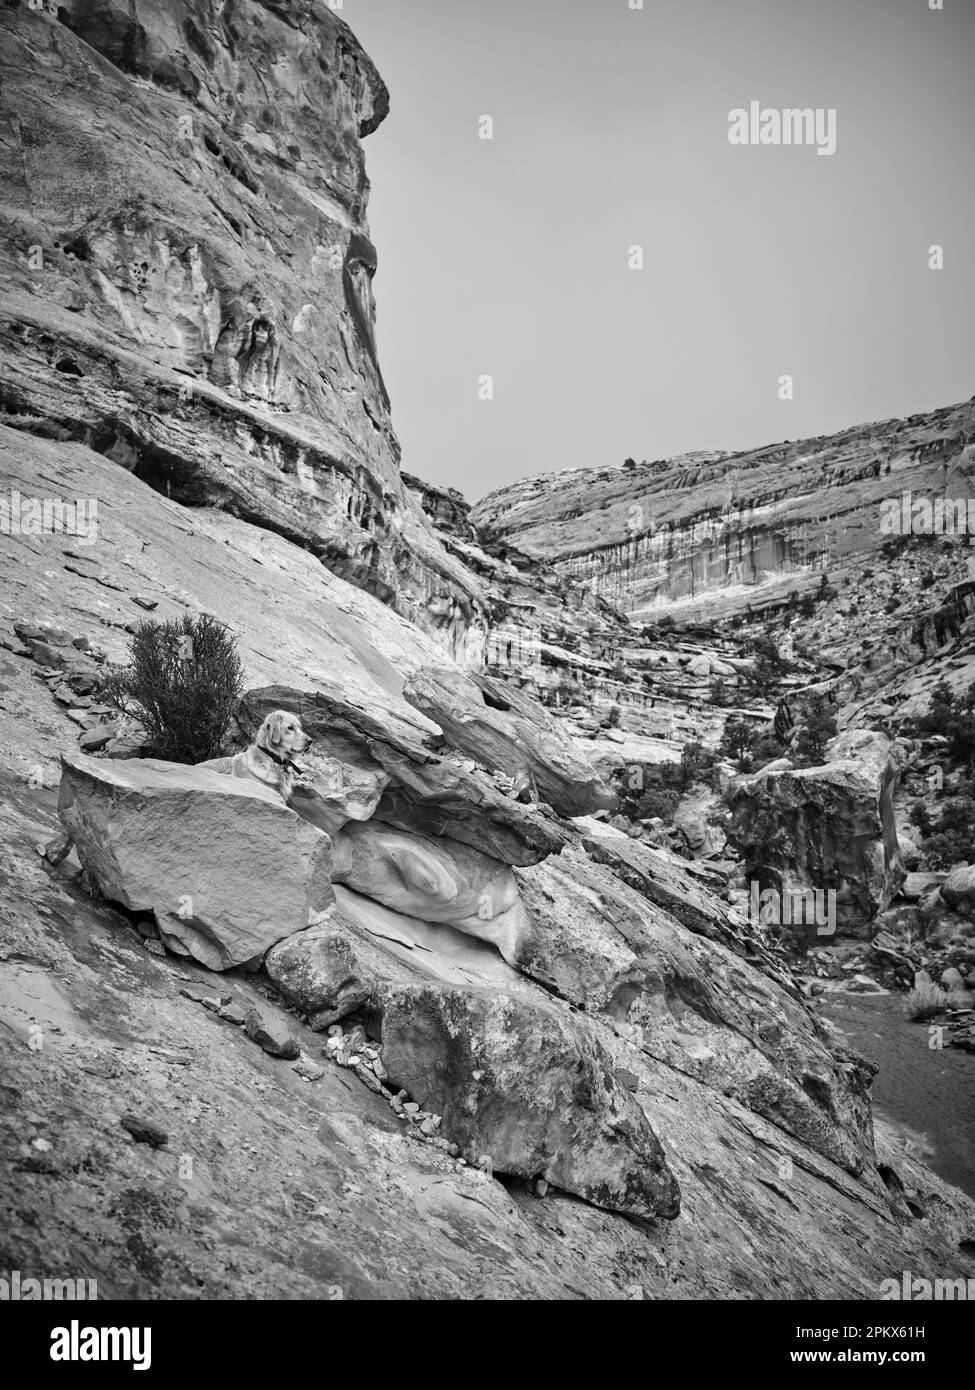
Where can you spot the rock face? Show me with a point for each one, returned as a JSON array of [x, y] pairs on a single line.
[[437, 880], [187, 273], [426, 794], [530, 1090], [696, 1005], [828, 828], [708, 534], [498, 727], [224, 868]]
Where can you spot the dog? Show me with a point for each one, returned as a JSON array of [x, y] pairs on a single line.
[[270, 758]]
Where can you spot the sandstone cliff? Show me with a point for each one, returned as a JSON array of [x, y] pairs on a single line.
[[187, 269], [709, 534]]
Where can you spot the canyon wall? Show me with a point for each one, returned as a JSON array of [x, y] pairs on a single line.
[[710, 534], [187, 268]]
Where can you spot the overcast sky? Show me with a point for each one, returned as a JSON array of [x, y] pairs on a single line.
[[509, 257]]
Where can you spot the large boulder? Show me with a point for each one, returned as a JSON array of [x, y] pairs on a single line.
[[958, 889], [825, 828], [504, 731], [225, 868], [326, 971], [526, 1087], [436, 880]]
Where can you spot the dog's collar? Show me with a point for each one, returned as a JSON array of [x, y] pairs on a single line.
[[289, 763]]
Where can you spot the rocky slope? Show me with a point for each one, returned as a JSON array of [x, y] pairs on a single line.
[[560, 1064], [302, 1177]]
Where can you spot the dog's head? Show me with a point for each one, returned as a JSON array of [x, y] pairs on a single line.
[[281, 734]]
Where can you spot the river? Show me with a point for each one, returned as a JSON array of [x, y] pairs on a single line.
[[927, 1093]]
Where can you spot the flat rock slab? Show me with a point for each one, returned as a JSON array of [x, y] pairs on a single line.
[[224, 866]]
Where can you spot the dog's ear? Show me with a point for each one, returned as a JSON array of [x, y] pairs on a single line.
[[271, 730]]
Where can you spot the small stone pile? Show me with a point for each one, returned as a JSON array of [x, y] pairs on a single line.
[[352, 1049]]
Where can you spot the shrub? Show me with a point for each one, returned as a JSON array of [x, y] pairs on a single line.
[[952, 717], [924, 1000], [655, 789], [766, 749], [696, 763], [767, 668], [818, 727], [658, 801], [896, 545], [737, 742], [184, 683]]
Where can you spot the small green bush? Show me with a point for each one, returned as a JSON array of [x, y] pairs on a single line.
[[183, 684]]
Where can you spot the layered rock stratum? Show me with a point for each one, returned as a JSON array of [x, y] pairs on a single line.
[[704, 535], [623, 1092]]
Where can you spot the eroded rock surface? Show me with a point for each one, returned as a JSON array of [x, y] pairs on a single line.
[[427, 793], [693, 1004], [186, 335], [436, 880], [325, 972]]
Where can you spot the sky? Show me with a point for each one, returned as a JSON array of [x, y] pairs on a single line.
[[509, 258]]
